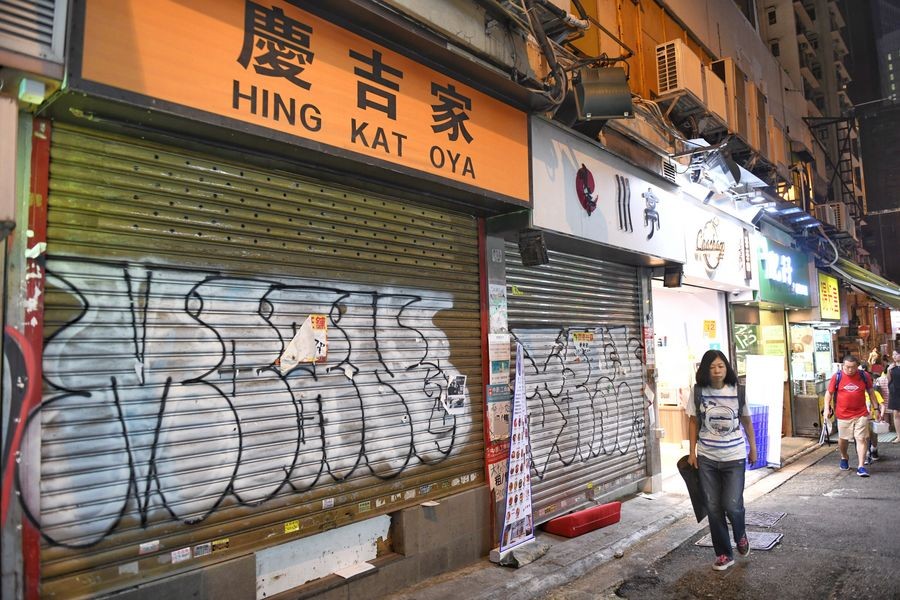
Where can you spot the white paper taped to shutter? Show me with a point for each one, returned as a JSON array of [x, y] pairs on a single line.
[[309, 345]]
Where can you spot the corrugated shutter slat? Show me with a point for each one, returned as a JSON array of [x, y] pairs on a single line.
[[174, 283], [585, 406]]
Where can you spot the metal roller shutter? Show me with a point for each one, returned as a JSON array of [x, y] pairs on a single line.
[[174, 282], [585, 396]]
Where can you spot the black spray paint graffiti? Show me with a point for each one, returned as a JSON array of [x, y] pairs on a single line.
[[581, 393], [162, 390]]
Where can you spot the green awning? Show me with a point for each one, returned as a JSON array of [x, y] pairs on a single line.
[[879, 288]]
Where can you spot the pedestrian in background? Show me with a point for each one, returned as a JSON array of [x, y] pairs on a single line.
[[848, 389], [717, 449], [876, 406], [893, 397], [873, 355]]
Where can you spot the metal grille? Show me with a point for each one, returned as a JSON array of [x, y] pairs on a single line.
[[32, 27], [175, 282], [578, 320]]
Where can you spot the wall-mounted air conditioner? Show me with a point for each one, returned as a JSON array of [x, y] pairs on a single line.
[[714, 89], [843, 220], [669, 169], [826, 214], [678, 69], [735, 94]]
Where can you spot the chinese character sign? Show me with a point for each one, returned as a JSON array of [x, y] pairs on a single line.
[[829, 297], [270, 64], [784, 275]]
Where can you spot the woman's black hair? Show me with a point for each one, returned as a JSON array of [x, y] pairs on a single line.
[[703, 379]]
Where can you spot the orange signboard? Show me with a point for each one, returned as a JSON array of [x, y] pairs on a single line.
[[270, 64]]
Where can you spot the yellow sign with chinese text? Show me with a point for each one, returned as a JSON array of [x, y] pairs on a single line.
[[270, 64], [709, 329], [829, 297]]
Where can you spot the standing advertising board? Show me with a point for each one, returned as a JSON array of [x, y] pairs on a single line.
[[518, 520]]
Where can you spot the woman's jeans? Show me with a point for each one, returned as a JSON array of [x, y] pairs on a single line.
[[723, 486]]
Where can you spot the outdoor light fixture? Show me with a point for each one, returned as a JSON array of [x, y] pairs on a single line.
[[602, 93], [672, 276]]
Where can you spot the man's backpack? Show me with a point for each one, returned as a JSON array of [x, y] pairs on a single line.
[[867, 381], [741, 394]]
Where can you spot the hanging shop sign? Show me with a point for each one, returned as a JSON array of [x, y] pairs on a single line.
[[783, 275], [715, 250], [829, 297], [582, 190], [303, 80]]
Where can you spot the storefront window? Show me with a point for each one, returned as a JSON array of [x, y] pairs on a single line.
[[756, 332], [803, 372]]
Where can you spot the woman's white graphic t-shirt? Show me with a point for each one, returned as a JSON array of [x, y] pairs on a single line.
[[719, 437]]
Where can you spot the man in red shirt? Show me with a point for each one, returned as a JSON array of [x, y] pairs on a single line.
[[851, 411]]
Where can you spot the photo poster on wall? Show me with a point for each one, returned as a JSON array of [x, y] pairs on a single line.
[[765, 387], [518, 520]]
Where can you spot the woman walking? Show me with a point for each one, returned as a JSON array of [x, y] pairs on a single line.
[[893, 382], [717, 449]]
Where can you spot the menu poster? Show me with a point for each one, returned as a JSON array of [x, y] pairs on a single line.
[[498, 407], [518, 521]]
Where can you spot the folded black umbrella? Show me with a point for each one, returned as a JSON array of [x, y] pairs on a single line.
[[691, 478]]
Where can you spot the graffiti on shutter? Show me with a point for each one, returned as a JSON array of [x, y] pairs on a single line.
[[166, 401]]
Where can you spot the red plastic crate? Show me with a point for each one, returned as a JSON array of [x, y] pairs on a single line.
[[583, 521]]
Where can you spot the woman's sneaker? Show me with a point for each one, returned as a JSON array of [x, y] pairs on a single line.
[[743, 546], [722, 562]]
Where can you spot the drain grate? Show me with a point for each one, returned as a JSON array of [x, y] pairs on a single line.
[[759, 540], [763, 519]]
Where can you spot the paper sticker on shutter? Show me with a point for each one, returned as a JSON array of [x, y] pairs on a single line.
[[148, 547], [455, 402], [292, 526], [181, 555], [310, 344]]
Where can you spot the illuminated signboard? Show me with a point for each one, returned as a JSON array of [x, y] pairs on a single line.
[[279, 71], [784, 275], [829, 297]]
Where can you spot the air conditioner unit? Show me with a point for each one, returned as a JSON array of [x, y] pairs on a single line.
[[826, 214], [735, 94], [678, 69], [843, 220], [669, 169], [714, 90]]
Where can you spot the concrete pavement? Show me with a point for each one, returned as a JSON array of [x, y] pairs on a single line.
[[649, 528]]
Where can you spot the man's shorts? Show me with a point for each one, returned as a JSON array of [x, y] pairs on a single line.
[[853, 429]]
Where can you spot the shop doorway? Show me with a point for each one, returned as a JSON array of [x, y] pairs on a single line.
[[688, 321]]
